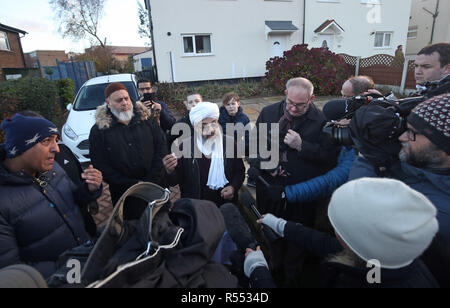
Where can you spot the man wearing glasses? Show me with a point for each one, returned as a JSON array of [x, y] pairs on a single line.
[[425, 157], [304, 153], [159, 109]]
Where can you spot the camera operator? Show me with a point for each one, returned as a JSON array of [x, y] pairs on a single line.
[[159, 109], [305, 152], [424, 164]]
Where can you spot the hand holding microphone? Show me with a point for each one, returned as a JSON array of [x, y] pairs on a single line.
[[274, 223]]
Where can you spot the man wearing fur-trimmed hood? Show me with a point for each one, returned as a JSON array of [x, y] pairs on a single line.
[[126, 144]]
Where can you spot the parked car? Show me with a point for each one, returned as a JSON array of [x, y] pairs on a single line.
[[75, 132]]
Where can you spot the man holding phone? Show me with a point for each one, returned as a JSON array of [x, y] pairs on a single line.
[[159, 109]]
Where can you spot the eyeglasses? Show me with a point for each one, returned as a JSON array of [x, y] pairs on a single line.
[[411, 134], [289, 104]]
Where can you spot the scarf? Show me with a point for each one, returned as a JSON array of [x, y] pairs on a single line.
[[285, 125], [210, 147]]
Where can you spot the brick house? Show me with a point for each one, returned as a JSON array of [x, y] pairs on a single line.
[[11, 52], [42, 58], [39, 58]]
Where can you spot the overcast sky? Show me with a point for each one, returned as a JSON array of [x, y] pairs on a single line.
[[119, 24]]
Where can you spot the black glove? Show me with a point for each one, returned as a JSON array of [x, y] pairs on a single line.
[[276, 193]]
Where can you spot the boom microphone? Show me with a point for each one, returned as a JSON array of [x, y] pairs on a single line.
[[237, 227], [335, 109], [254, 173], [248, 201]]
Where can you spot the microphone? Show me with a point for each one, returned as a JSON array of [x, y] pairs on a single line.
[[335, 109], [248, 201], [237, 227], [254, 173]]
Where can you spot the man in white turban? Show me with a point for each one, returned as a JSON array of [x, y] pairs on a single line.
[[206, 173]]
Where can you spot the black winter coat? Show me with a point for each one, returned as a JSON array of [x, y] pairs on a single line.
[[318, 154], [37, 225], [127, 154], [187, 174]]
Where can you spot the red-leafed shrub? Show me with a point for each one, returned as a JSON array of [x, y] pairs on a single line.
[[326, 70]]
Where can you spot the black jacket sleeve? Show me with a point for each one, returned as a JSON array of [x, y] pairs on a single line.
[[9, 250], [317, 243], [166, 118], [100, 161], [261, 279], [156, 174]]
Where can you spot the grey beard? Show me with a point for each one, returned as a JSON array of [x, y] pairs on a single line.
[[428, 158], [122, 116]]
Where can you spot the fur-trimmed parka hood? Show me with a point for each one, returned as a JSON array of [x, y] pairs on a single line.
[[104, 118]]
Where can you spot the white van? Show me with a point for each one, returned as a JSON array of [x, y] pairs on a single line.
[[75, 132]]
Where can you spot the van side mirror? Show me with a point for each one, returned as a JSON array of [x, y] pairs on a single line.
[[69, 107]]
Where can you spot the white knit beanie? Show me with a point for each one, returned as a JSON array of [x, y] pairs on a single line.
[[383, 219]]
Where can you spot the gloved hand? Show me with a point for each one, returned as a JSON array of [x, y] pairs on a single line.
[[253, 260], [274, 223], [276, 193]]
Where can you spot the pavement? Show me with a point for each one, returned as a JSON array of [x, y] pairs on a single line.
[[252, 107]]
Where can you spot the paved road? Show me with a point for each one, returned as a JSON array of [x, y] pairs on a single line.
[[252, 107]]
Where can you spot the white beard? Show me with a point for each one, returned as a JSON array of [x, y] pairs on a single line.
[[125, 116]]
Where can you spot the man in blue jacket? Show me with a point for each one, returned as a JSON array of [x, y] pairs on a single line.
[[39, 213]]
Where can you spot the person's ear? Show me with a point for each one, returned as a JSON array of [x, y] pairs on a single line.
[[447, 69]]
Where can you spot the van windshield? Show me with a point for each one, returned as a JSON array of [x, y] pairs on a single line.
[[90, 97]]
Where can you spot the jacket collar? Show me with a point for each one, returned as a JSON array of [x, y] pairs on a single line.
[[104, 119], [388, 275]]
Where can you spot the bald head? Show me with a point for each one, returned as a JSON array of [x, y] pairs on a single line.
[[357, 86], [300, 83]]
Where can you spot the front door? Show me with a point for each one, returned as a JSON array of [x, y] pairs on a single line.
[[327, 41], [278, 45]]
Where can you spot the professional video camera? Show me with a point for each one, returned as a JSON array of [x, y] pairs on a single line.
[[347, 108], [376, 121]]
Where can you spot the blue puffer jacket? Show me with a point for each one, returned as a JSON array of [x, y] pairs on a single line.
[[323, 186], [38, 224]]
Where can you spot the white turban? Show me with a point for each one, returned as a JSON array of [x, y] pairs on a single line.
[[211, 147], [203, 111]]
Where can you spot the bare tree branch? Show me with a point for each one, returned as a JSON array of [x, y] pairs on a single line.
[[144, 24], [79, 18]]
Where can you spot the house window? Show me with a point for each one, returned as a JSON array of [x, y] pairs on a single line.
[[197, 44], [412, 32], [383, 39], [4, 42]]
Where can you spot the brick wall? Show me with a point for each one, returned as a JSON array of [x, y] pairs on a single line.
[[11, 58]]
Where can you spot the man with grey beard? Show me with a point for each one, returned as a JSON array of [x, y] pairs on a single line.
[[425, 155], [126, 144]]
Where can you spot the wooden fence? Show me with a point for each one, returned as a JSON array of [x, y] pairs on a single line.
[[385, 69]]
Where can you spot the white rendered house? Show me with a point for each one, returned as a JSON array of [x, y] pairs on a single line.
[[199, 40]]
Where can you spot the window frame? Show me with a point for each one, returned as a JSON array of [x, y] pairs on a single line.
[[6, 39], [413, 29], [194, 53], [384, 46]]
